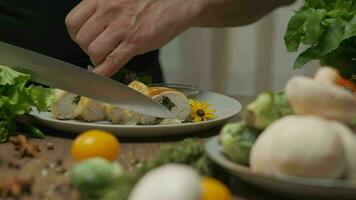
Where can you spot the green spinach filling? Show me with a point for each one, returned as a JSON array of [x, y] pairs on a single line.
[[166, 102], [76, 100]]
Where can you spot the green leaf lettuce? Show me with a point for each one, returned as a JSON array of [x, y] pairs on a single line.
[[17, 99]]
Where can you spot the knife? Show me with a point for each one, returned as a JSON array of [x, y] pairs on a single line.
[[58, 74]]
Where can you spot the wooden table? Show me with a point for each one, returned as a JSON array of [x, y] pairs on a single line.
[[47, 176]]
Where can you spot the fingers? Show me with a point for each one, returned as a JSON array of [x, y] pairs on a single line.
[[115, 60], [79, 15], [89, 31], [103, 45]]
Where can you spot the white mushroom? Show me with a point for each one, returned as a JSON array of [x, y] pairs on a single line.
[[327, 74], [306, 146], [349, 142], [321, 96], [169, 182]]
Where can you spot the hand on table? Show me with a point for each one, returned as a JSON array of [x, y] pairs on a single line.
[[111, 32]]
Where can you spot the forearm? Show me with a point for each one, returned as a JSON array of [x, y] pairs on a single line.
[[218, 13]]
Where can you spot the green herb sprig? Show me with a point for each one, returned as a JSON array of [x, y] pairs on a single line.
[[328, 29]]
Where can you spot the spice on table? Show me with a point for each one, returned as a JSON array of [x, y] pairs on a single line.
[[15, 187], [13, 165], [24, 147], [60, 170], [63, 186], [50, 146], [44, 172], [59, 162], [134, 162]]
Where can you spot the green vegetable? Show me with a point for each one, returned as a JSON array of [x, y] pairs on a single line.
[[93, 175], [17, 99], [267, 108], [189, 152], [35, 132], [237, 140], [328, 29], [126, 76], [31, 130]]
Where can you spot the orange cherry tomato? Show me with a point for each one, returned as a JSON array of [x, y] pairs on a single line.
[[95, 143], [213, 189], [346, 84]]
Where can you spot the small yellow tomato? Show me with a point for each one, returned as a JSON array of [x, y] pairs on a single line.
[[213, 189], [95, 143]]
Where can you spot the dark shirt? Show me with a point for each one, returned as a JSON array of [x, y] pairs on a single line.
[[39, 25]]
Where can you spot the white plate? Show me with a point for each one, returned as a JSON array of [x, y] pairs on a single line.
[[306, 187], [225, 107]]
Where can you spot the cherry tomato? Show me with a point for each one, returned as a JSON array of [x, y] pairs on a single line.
[[213, 189], [346, 84], [95, 143]]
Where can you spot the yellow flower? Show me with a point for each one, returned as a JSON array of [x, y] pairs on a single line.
[[201, 111]]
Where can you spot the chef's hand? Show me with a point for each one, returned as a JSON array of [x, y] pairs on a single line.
[[111, 32]]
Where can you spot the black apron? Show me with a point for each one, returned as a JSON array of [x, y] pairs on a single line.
[[39, 25]]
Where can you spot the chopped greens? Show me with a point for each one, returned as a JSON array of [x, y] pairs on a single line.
[[126, 76], [76, 100]]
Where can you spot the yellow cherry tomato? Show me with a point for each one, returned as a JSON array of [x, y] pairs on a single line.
[[213, 189], [95, 143]]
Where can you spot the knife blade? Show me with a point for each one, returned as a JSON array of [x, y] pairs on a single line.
[[59, 74]]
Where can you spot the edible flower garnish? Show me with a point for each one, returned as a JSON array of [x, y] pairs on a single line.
[[201, 111]]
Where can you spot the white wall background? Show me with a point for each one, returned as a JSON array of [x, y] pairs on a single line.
[[234, 61]]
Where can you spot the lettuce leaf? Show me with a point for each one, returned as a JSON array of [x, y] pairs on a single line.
[[17, 99], [327, 28]]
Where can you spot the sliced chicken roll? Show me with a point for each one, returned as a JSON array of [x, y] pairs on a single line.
[[121, 116], [113, 113], [89, 110], [146, 120], [130, 118], [140, 87], [64, 105], [144, 89], [175, 101]]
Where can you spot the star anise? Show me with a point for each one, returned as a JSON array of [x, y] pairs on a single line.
[[15, 187], [24, 147]]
